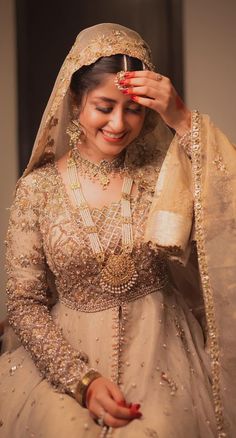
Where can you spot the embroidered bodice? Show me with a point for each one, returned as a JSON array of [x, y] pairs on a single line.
[[46, 234]]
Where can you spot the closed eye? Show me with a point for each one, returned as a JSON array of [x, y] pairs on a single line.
[[135, 110], [107, 110], [104, 109]]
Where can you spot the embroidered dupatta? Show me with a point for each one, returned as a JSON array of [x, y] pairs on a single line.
[[193, 199]]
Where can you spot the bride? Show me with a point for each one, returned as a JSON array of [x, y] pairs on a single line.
[[120, 259]]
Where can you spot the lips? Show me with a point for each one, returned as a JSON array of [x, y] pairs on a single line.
[[112, 135]]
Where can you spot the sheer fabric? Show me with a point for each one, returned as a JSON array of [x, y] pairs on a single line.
[[188, 199]]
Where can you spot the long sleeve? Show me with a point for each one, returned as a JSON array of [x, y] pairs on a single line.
[[27, 291]]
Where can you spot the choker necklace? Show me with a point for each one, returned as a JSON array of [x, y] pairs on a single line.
[[100, 172], [118, 272]]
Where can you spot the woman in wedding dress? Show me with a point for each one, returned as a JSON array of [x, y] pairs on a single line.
[[115, 287]]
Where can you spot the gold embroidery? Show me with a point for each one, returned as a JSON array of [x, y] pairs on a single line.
[[203, 266], [173, 386], [48, 225], [27, 289], [109, 44], [218, 161], [185, 142]]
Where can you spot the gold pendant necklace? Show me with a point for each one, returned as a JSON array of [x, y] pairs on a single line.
[[118, 272], [100, 172]]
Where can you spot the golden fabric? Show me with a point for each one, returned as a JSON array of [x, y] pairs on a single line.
[[151, 343], [211, 178], [148, 341]]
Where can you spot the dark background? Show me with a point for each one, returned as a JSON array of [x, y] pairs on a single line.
[[46, 30]]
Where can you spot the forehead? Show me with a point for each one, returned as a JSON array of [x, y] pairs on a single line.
[[107, 88]]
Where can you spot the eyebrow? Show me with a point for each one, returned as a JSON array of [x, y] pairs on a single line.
[[108, 100]]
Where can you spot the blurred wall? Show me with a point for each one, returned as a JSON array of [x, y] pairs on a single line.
[[8, 127], [210, 60]]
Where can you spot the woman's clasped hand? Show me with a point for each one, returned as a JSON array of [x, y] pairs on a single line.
[[107, 406]]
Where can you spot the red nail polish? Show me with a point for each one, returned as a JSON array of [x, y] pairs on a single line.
[[134, 409], [125, 91], [133, 97]]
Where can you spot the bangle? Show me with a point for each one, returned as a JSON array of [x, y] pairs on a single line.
[[81, 389]]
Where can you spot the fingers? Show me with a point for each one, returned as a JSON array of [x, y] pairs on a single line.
[[149, 86], [146, 85], [115, 392], [113, 415], [144, 91], [120, 412], [150, 98], [109, 420], [106, 404], [157, 93], [149, 103], [103, 401], [148, 74]]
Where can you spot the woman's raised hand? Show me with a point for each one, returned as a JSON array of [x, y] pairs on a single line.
[[156, 92], [107, 405]]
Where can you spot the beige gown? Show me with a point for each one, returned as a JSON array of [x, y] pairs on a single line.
[[147, 341]]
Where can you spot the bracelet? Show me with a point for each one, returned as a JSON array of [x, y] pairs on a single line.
[[81, 389]]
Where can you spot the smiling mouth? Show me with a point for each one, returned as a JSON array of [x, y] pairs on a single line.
[[113, 135]]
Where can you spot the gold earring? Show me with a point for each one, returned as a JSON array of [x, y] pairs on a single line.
[[74, 131]]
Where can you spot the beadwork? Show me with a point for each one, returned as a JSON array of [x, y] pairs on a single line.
[[118, 273], [99, 172]]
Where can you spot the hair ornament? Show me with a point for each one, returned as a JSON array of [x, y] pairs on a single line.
[[125, 63]]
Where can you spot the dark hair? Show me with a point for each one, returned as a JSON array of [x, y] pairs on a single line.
[[89, 77]]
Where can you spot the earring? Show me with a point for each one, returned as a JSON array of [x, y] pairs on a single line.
[[74, 131]]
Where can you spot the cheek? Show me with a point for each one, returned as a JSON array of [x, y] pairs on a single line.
[[92, 119]]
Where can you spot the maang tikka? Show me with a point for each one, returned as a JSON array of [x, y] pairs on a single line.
[[120, 76]]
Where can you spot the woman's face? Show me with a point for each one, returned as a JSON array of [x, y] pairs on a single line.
[[110, 120]]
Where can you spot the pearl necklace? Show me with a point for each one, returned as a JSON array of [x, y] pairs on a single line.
[[118, 272]]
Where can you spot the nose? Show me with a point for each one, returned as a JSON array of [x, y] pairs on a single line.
[[117, 121]]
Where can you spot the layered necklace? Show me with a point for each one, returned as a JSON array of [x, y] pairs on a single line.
[[118, 272], [102, 171]]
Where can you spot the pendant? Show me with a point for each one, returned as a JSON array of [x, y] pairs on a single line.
[[119, 275], [104, 180]]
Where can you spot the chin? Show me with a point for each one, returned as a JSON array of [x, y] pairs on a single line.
[[112, 150]]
